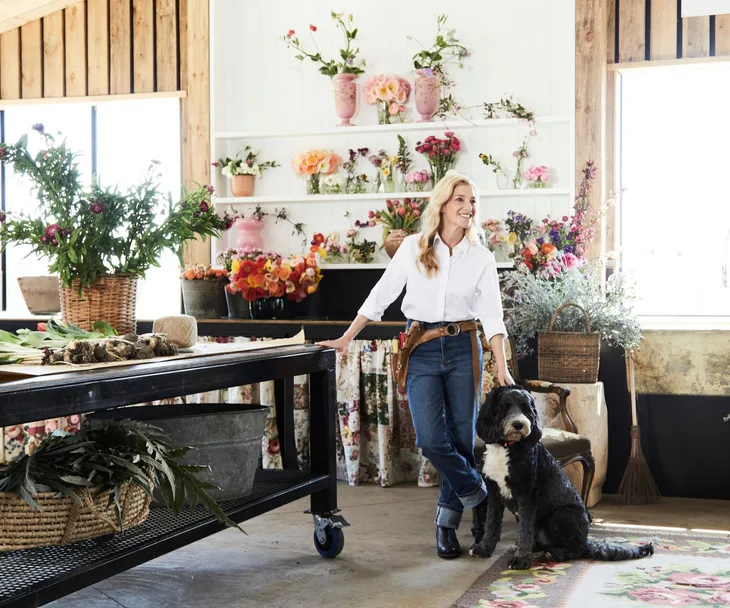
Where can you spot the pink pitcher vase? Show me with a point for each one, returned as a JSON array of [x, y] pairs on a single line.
[[427, 93], [249, 229], [345, 97]]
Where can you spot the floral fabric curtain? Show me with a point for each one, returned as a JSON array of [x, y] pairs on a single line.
[[376, 442]]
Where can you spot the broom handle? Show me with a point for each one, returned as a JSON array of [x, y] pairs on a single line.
[[632, 388]]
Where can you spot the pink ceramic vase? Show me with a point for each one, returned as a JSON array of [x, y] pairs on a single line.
[[249, 229], [427, 96], [345, 97]]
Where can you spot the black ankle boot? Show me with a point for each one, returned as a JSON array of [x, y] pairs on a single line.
[[447, 545]]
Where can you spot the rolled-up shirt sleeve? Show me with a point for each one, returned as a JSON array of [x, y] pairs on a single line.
[[388, 288], [489, 301]]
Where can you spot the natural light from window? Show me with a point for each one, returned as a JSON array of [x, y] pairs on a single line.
[[675, 216], [129, 134]]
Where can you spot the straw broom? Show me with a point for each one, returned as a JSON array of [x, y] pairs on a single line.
[[637, 486]]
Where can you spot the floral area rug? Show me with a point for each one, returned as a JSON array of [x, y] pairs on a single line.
[[685, 570]]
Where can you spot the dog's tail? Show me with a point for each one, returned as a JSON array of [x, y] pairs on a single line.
[[610, 552]]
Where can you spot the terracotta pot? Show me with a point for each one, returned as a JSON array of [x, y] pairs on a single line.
[[250, 232], [242, 185], [345, 97], [427, 94], [41, 294], [393, 241]]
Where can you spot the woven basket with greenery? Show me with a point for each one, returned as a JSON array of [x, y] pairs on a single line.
[[95, 482], [566, 356], [112, 299], [61, 520]]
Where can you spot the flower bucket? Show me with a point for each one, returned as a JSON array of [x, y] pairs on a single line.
[[272, 308], [41, 294], [204, 299], [238, 306]]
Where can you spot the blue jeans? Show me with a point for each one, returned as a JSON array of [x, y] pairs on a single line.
[[440, 387]]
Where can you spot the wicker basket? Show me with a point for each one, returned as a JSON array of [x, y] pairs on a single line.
[[111, 298], [564, 356], [62, 521]]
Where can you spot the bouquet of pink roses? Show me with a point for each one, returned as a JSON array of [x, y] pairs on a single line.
[[537, 177], [391, 93]]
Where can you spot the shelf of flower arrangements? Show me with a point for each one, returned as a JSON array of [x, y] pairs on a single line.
[[485, 123], [271, 284], [373, 196]]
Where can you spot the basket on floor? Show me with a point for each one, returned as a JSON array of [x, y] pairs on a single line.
[[62, 521], [571, 357], [112, 298]]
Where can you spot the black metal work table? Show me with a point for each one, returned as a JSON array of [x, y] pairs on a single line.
[[37, 576]]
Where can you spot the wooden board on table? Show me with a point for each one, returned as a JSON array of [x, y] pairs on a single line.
[[17, 371]]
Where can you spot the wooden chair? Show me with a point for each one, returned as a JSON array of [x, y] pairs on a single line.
[[567, 446]]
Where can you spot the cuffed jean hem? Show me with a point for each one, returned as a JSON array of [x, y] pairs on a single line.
[[447, 517], [472, 500]]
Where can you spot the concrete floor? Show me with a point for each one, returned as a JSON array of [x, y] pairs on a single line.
[[389, 557]]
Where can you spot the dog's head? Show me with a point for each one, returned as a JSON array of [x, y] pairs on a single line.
[[508, 415]]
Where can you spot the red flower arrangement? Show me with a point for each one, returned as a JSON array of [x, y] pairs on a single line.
[[440, 153], [272, 276]]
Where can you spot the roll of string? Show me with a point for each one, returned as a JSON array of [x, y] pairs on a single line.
[[179, 329]]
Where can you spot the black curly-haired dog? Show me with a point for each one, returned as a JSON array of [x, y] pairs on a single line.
[[524, 477]]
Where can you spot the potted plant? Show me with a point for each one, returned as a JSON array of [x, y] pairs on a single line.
[[399, 219], [572, 303], [104, 475], [343, 72], [432, 81], [243, 169], [203, 292], [312, 164], [390, 93], [231, 260], [500, 172], [440, 153], [100, 241], [271, 284]]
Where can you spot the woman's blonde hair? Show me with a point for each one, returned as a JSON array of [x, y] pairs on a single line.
[[431, 222]]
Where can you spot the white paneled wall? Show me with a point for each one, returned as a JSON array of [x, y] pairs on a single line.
[[524, 49]]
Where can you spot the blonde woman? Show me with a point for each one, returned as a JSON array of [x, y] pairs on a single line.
[[450, 277]]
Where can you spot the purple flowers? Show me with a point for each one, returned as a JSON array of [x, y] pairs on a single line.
[[204, 207], [2, 217], [39, 128], [96, 208], [210, 189]]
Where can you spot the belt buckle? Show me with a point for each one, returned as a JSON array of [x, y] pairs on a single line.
[[453, 327]]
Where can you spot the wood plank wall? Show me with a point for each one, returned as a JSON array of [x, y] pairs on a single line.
[[96, 48], [652, 30]]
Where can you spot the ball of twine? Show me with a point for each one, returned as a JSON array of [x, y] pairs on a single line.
[[179, 329]]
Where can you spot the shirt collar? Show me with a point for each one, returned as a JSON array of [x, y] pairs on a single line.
[[461, 249]]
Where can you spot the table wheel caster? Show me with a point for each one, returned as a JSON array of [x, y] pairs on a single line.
[[329, 539]]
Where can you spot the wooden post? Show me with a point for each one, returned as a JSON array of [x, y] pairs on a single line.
[[196, 112], [590, 86]]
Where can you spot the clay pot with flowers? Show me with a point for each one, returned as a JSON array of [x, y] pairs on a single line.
[[203, 290], [243, 170], [100, 241], [399, 220]]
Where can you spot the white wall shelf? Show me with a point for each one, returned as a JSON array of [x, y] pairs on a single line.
[[375, 196], [382, 266], [436, 125]]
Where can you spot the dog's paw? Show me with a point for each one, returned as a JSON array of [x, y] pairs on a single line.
[[479, 550], [520, 563]]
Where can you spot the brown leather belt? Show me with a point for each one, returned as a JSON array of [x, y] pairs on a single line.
[[418, 335]]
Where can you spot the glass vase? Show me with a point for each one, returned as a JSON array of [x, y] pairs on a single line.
[[536, 185], [388, 183], [383, 114], [504, 181], [313, 184]]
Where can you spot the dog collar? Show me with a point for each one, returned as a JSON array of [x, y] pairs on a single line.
[[507, 444]]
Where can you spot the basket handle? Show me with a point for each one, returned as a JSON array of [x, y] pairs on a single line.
[[578, 306]]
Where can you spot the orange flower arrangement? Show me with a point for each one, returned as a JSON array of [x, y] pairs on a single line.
[[206, 273], [275, 277]]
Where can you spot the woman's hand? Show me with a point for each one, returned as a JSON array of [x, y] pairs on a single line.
[[504, 378], [340, 344]]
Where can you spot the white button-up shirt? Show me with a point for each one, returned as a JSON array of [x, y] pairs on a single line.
[[466, 286]]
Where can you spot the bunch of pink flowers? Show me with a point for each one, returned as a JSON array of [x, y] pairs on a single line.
[[537, 176], [417, 180], [391, 92]]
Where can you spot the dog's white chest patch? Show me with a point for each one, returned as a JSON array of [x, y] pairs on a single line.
[[496, 467]]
